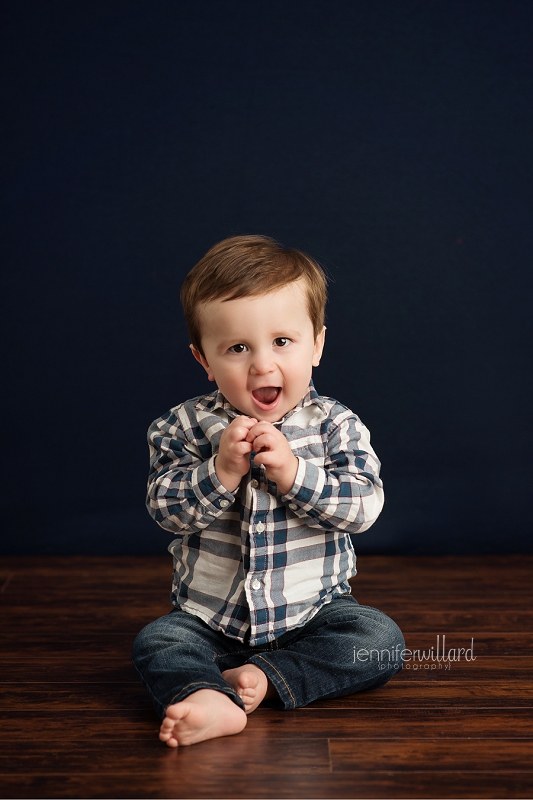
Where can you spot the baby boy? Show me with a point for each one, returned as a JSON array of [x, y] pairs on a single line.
[[261, 482]]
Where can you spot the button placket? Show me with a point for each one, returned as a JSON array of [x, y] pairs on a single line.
[[257, 527]]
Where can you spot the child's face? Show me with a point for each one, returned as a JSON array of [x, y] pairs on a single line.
[[260, 350]]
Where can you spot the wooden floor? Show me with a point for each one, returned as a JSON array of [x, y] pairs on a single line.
[[76, 722]]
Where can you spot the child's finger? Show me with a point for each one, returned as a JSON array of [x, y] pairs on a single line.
[[248, 422], [242, 448], [266, 458], [264, 442], [238, 433], [258, 429]]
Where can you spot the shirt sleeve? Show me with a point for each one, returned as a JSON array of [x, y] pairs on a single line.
[[347, 493], [184, 493]]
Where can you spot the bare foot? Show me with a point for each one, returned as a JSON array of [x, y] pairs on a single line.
[[251, 684], [205, 714]]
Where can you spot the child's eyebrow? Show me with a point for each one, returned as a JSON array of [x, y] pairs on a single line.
[[289, 334]]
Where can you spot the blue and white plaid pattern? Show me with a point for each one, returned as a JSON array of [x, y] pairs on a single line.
[[257, 563]]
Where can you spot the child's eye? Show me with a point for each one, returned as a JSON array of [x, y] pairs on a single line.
[[282, 341], [237, 348]]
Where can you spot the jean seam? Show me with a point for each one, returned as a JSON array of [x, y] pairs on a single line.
[[281, 677], [236, 653]]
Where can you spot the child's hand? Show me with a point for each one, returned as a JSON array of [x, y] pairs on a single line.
[[274, 452], [233, 459]]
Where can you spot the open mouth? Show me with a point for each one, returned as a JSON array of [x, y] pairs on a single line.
[[267, 396]]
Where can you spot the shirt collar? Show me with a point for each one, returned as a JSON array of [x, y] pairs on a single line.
[[216, 401]]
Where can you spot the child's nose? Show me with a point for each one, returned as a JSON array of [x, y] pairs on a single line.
[[262, 363]]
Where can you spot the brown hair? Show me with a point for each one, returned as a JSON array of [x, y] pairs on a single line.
[[242, 266]]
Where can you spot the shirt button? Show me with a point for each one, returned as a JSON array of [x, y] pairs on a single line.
[[255, 484], [293, 506], [224, 503], [260, 527], [256, 585]]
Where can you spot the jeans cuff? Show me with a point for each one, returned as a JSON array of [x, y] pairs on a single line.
[[287, 700], [225, 688]]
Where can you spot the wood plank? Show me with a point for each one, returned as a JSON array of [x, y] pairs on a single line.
[[6, 577], [132, 757], [99, 567], [465, 600], [286, 767], [472, 622], [486, 643], [396, 694], [58, 669], [424, 754], [24, 725], [72, 644], [176, 777], [82, 598], [421, 694], [141, 722], [73, 696], [484, 669], [468, 567], [95, 619], [87, 587]]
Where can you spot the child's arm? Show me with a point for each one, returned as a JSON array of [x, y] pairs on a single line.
[[345, 494], [188, 489]]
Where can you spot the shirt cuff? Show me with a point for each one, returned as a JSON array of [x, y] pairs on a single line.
[[307, 487], [208, 489]]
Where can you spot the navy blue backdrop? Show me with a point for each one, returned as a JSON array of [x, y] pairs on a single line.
[[391, 139]]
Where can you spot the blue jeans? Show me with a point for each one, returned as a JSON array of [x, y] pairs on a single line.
[[344, 648]]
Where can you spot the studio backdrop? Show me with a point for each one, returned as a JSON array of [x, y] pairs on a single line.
[[391, 140]]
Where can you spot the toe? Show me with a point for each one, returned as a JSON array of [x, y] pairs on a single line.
[[174, 713], [247, 680]]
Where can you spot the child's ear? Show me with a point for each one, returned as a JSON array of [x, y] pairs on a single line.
[[201, 360], [319, 346]]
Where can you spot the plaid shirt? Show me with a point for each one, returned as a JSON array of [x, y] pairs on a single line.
[[255, 562]]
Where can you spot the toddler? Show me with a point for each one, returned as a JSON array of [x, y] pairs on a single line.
[[261, 482]]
